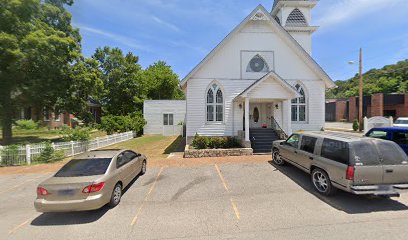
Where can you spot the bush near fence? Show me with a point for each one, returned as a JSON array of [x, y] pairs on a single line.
[[16, 155]]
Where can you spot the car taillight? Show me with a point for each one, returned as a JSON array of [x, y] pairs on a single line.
[[350, 173], [41, 191], [93, 188]]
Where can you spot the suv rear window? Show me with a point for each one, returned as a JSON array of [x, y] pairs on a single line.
[[335, 150], [308, 144], [84, 167], [364, 153], [391, 153]]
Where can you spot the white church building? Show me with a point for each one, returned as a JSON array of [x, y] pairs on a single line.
[[261, 79]]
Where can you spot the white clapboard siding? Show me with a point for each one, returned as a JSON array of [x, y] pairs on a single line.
[[153, 111], [196, 106], [227, 69]]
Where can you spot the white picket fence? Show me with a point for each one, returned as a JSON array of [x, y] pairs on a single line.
[[21, 155]]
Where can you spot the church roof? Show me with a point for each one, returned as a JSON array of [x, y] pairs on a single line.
[[282, 33]]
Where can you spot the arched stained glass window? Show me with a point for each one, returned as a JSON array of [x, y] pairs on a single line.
[[299, 105], [215, 104]]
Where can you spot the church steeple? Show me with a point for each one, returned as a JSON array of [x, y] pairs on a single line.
[[295, 17]]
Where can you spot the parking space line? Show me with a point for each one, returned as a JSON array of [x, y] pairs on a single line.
[[224, 183], [20, 184], [145, 199], [16, 228]]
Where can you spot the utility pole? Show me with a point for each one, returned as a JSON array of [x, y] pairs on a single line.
[[360, 106]]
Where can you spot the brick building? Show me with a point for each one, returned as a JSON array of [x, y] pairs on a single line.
[[53, 121], [394, 105]]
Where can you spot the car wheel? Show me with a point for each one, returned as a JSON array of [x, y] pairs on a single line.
[[144, 168], [321, 182], [277, 158], [116, 195]]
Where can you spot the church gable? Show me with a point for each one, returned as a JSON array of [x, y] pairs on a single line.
[[258, 45]]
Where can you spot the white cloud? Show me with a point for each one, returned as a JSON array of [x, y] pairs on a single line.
[[116, 37], [346, 10], [166, 24]]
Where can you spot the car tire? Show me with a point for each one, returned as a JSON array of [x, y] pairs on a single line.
[[322, 183], [116, 195], [277, 158], [144, 168]]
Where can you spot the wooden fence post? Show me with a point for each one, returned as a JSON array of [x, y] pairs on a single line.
[[28, 154]]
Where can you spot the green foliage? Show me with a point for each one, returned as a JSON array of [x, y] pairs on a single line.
[[48, 154], [203, 142], [389, 79], [38, 46], [76, 134], [122, 80], [119, 124], [26, 125], [356, 125], [161, 82], [9, 155]]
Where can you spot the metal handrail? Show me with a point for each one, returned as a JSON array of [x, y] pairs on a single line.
[[275, 125]]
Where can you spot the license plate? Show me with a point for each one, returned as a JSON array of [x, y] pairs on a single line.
[[384, 188], [66, 192]]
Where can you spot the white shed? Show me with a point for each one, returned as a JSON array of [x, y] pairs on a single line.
[[164, 117]]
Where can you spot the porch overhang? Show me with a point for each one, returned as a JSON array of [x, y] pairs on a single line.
[[271, 86]]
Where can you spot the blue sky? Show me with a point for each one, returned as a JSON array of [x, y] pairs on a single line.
[[183, 32]]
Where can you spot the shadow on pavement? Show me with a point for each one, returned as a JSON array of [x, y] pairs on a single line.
[[343, 201], [74, 218]]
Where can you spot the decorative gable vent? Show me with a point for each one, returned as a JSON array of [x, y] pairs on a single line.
[[257, 64], [259, 16], [296, 19]]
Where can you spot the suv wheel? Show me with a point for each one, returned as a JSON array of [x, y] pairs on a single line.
[[321, 182], [277, 158]]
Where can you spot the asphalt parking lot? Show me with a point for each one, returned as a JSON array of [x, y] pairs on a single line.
[[226, 201]]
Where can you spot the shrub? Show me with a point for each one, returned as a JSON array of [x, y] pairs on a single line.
[[48, 154], [26, 125], [356, 125], [76, 134], [120, 124], [202, 142]]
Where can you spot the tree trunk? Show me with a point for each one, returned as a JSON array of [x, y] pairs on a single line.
[[6, 117], [7, 130]]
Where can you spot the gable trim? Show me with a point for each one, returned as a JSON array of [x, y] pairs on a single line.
[[280, 31], [274, 75]]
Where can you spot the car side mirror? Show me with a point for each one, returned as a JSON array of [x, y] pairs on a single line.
[[282, 143], [139, 155]]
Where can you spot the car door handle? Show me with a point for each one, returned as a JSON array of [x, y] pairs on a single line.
[[311, 158], [389, 170]]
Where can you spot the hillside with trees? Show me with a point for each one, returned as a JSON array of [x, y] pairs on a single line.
[[389, 79]]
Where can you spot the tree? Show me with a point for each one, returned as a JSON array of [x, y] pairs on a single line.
[[389, 79], [122, 79], [161, 82], [37, 47], [86, 83]]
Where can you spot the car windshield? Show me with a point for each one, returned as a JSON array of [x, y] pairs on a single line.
[[401, 121], [84, 167]]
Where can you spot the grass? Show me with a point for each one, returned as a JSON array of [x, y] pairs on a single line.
[[42, 135], [154, 147]]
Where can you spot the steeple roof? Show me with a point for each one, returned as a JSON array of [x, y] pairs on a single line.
[[277, 1]]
